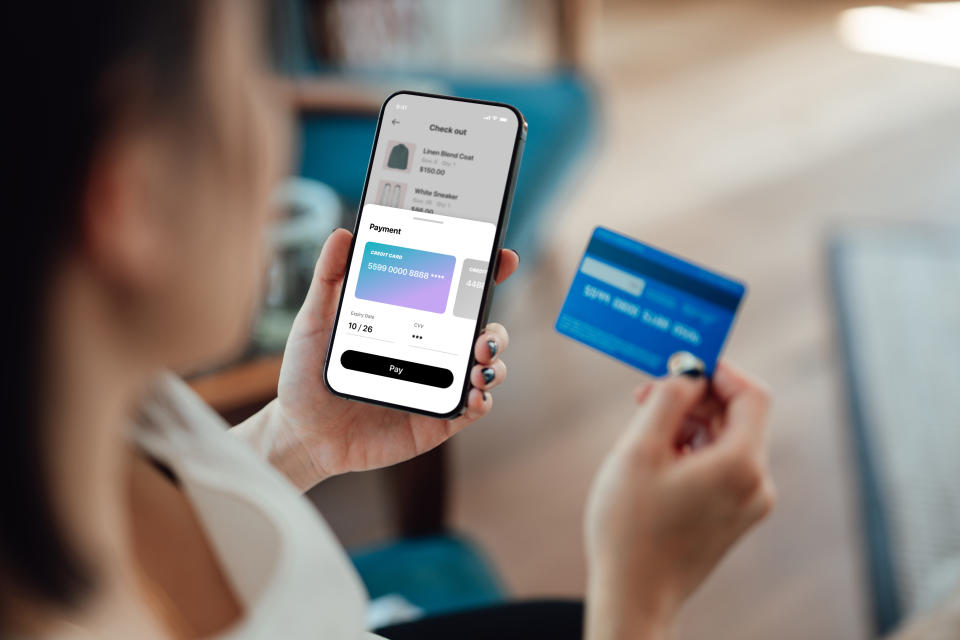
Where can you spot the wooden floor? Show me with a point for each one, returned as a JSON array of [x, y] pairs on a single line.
[[739, 135]]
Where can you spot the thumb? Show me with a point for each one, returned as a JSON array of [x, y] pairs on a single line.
[[320, 305], [670, 401]]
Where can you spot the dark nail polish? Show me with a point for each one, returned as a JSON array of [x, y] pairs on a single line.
[[493, 348], [485, 395], [692, 373], [488, 374]]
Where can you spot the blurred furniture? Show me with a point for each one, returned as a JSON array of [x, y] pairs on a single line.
[[897, 298], [339, 103], [311, 211]]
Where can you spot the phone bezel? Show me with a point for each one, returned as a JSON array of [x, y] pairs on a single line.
[[493, 262]]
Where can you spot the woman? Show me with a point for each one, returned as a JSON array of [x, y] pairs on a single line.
[[138, 192]]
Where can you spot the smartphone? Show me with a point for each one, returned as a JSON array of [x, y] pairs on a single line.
[[425, 250]]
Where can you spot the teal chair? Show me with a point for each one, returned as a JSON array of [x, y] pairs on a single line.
[[437, 574]]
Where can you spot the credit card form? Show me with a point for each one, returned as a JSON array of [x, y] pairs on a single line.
[[649, 309]]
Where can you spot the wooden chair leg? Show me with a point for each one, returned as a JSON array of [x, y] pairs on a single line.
[[418, 492]]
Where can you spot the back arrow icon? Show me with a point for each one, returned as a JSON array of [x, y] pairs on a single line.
[[394, 121]]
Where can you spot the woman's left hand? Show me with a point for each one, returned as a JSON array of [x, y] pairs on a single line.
[[334, 435]]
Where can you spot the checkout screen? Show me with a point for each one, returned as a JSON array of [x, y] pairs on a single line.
[[425, 233]]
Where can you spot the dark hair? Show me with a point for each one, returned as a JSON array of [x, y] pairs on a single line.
[[71, 70]]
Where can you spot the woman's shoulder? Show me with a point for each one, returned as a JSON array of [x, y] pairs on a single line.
[[170, 403], [281, 557]]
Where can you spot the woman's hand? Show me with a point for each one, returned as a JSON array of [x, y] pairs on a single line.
[[311, 434], [684, 482]]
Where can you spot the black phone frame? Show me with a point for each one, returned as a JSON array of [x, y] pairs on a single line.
[[493, 263]]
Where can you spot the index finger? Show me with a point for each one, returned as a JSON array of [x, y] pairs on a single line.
[[729, 380], [507, 264], [662, 416], [491, 343], [747, 403]]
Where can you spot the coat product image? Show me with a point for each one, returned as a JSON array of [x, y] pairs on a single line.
[[399, 157]]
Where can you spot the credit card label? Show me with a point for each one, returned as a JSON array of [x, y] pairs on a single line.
[[649, 309]]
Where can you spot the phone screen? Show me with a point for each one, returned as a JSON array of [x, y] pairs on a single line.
[[429, 224]]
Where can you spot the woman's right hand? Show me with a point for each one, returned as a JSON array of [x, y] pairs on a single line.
[[662, 513]]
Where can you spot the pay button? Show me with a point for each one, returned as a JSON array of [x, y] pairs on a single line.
[[396, 368]]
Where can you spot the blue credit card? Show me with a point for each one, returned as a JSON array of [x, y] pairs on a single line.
[[649, 309]]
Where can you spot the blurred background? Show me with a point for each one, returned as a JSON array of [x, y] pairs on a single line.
[[811, 149]]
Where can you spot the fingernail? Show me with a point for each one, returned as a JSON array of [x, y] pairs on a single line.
[[485, 395], [700, 439], [493, 349], [692, 373], [517, 253], [488, 374]]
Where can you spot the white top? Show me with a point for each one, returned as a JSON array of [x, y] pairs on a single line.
[[291, 575]]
